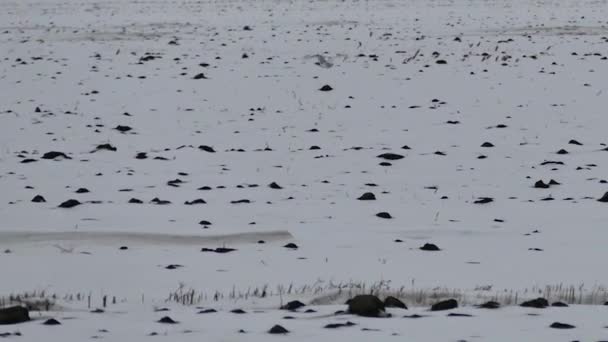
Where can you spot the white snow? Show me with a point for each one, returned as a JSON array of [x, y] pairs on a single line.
[[538, 67]]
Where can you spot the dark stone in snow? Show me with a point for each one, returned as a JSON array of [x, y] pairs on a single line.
[[385, 164], [28, 160], [51, 321], [390, 156], [71, 203], [366, 306], [441, 61], [554, 182], [604, 198], [405, 147], [293, 305], [224, 250], [291, 245], [82, 191], [243, 201], [339, 325], [326, 88], [38, 199], [275, 186], [238, 311], [14, 315], [106, 147], [487, 144], [558, 325], [490, 305], [200, 76], [562, 151], [314, 147], [430, 247], [206, 148], [206, 311], [368, 196], [158, 201], [541, 185], [55, 154], [173, 267], [392, 302], [204, 223], [484, 200], [445, 305], [135, 201], [141, 155], [384, 215], [538, 303], [277, 329], [196, 201], [167, 320], [559, 305], [123, 248], [574, 142], [122, 129], [454, 314]]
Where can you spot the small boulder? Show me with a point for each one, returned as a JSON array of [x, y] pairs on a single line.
[[604, 199], [392, 302], [71, 203], [490, 305], [538, 303], [366, 306], [445, 305], [384, 215], [14, 315], [558, 325], [368, 196], [293, 305], [430, 247], [390, 156], [277, 329], [51, 321], [326, 88], [167, 320], [541, 185], [54, 155], [38, 199]]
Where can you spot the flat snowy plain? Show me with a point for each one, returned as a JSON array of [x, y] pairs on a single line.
[[216, 100]]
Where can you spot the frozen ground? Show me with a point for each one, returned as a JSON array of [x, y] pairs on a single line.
[[440, 77]]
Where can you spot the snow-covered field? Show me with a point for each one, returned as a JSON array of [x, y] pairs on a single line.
[[214, 101]]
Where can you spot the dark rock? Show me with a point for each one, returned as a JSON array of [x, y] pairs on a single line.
[[167, 320], [293, 305], [484, 200], [339, 325], [71, 203], [135, 201], [366, 306], [326, 88], [82, 191], [559, 305], [277, 329], [558, 325], [538, 303], [123, 248], [445, 305], [28, 160], [106, 147], [487, 144], [453, 314], [51, 321], [368, 196], [122, 129], [196, 201], [384, 215], [413, 316], [97, 311], [562, 151], [441, 61], [14, 315], [200, 76], [275, 186], [206, 311], [158, 201], [204, 223], [541, 185], [574, 142], [238, 311], [173, 267], [390, 156], [405, 147], [141, 155], [206, 148], [291, 245], [554, 182], [430, 247], [55, 154], [392, 302], [242, 201], [604, 199], [38, 199], [490, 305]]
